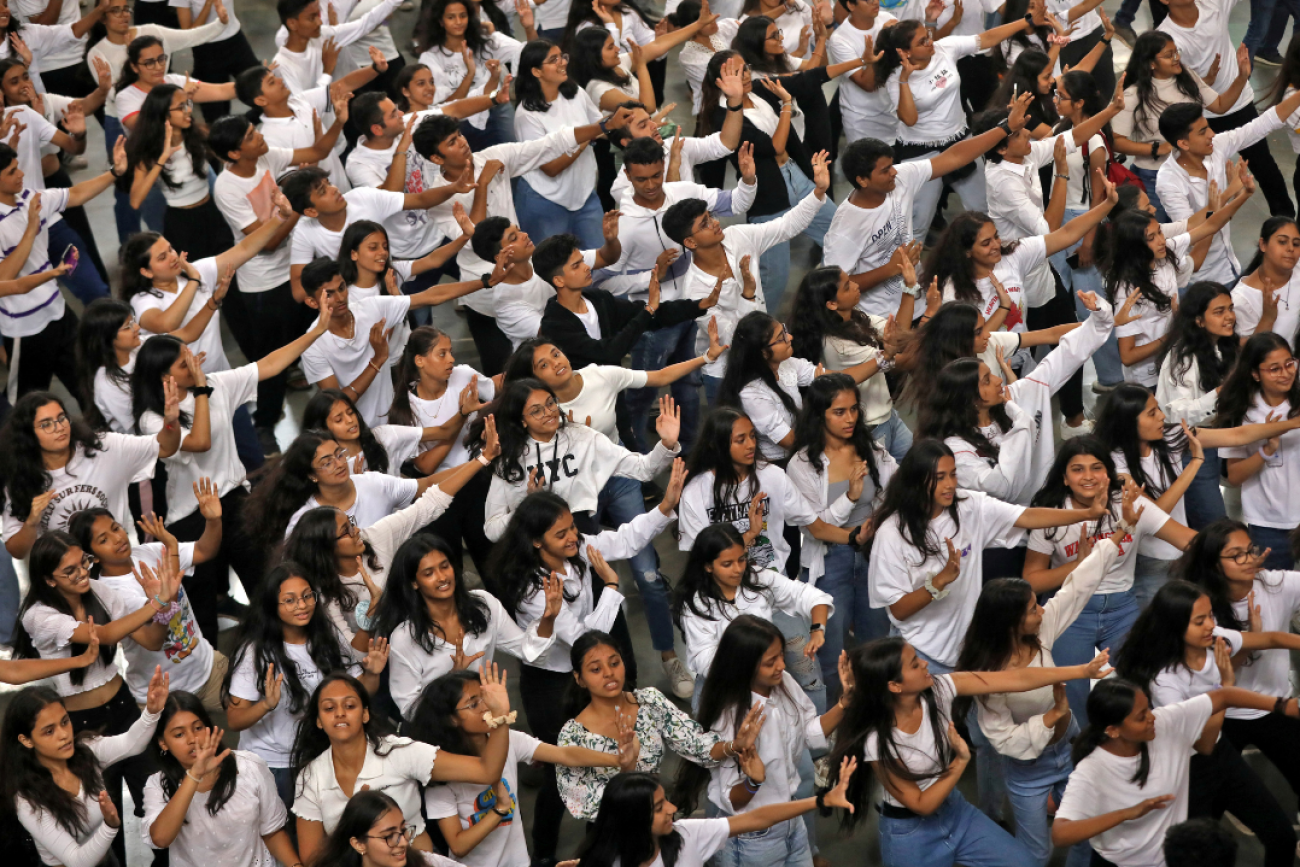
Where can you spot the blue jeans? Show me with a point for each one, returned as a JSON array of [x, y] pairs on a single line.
[[1029, 782], [785, 844], [893, 436], [806, 672], [1278, 540], [499, 130], [1149, 575], [1110, 371], [1261, 20], [1282, 11], [247, 445], [712, 385], [1148, 178], [620, 501], [84, 282], [10, 598], [127, 217], [774, 265], [1204, 497], [956, 833], [845, 579], [541, 218], [655, 350], [284, 785], [1103, 624]]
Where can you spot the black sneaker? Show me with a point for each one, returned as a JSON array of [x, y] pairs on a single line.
[[1268, 58], [1126, 34], [266, 438]]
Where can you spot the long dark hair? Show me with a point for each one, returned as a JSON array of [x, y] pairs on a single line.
[[697, 591], [811, 321], [622, 832], [1130, 261], [751, 41], [152, 363], [1187, 340], [712, 453], [876, 665], [407, 375], [1271, 227], [585, 52], [1139, 74], [145, 144], [43, 560], [262, 638], [21, 465], [510, 464], [994, 638], [810, 427], [1109, 702], [1156, 641], [1117, 428], [1237, 395], [1054, 494], [888, 43], [402, 600], [312, 546], [435, 35], [709, 92], [750, 358], [947, 336], [528, 89], [433, 718], [170, 769], [727, 690], [1083, 86], [582, 12], [578, 697], [910, 495], [283, 489], [950, 261], [950, 409], [364, 809], [1201, 565], [1287, 76], [316, 417], [135, 256], [353, 236], [1016, 10], [96, 334], [516, 565], [311, 740], [1022, 77], [23, 776]]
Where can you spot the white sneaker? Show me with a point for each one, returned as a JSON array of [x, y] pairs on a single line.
[[1068, 432], [683, 685]]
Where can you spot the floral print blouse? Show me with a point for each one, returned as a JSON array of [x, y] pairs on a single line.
[[658, 722]]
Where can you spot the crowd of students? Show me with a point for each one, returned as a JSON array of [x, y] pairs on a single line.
[[908, 544]]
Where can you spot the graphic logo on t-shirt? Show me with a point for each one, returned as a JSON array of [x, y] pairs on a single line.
[[182, 632], [68, 502], [761, 553], [487, 800]]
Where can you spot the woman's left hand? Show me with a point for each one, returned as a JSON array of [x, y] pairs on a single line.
[[1099, 667], [839, 795], [1194, 447], [492, 686], [669, 423], [491, 444], [376, 657], [156, 697], [629, 745], [673, 493], [816, 638], [1223, 661]]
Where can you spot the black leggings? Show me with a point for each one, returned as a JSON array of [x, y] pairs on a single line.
[[43, 356], [492, 344], [461, 526], [219, 62], [1060, 311], [1223, 781], [237, 551], [543, 693], [1278, 738], [114, 717]]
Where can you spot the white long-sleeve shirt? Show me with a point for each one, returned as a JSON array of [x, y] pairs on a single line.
[[304, 70], [1010, 475], [1013, 721], [1180, 394], [583, 614], [578, 461], [411, 668], [815, 488], [778, 593], [1183, 195], [54, 844]]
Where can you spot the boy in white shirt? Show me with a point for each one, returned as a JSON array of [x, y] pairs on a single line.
[[300, 58]]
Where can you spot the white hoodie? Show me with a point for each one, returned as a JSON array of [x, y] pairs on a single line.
[[578, 461]]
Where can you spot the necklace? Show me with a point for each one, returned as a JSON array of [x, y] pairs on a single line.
[[352, 326]]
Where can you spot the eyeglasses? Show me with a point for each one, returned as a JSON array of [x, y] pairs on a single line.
[[1243, 558], [473, 704], [119, 10], [784, 338], [87, 560], [187, 105], [708, 221], [539, 410], [50, 424], [394, 839], [1287, 366], [306, 599], [350, 530], [328, 462], [151, 62], [128, 324], [556, 60], [1166, 56], [779, 36]]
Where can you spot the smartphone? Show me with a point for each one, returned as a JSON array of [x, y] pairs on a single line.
[[70, 258]]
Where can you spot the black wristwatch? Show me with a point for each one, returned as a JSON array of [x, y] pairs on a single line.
[[1155, 149], [1005, 126], [201, 390], [817, 627], [487, 281], [740, 107]]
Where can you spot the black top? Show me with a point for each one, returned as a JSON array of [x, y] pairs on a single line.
[[621, 323]]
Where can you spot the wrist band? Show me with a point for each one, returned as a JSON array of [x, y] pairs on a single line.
[[1279, 706], [372, 364], [194, 778], [1003, 307], [362, 615], [884, 365], [483, 460], [494, 722]]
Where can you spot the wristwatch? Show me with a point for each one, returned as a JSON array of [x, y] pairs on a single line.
[[935, 593], [1155, 149], [487, 280], [201, 390], [1005, 126], [817, 627]]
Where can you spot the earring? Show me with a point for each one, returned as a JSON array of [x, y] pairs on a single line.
[[163, 750]]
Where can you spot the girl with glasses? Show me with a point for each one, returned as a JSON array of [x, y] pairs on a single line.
[[372, 832], [1229, 569], [63, 607], [344, 744], [450, 716], [54, 464], [1262, 386], [385, 448], [205, 803], [286, 647]]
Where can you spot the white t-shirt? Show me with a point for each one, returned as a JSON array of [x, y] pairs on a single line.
[[192, 189], [298, 130], [1206, 42], [784, 505], [196, 7], [27, 314], [95, 481], [701, 840], [310, 239], [1103, 782], [411, 234], [1062, 543], [936, 93], [1248, 305], [401, 443], [572, 187], [918, 751], [1179, 683], [245, 201], [601, 385], [504, 845], [867, 114], [1268, 498], [434, 413], [234, 836], [596, 89], [231, 389], [771, 419], [520, 306], [862, 239], [333, 355], [1151, 468], [898, 568], [51, 634], [378, 496], [69, 13], [131, 98], [400, 772], [1277, 595], [590, 321], [271, 737], [1012, 272], [1152, 325], [113, 399], [209, 341]]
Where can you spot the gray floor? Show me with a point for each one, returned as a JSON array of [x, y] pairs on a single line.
[[260, 22]]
